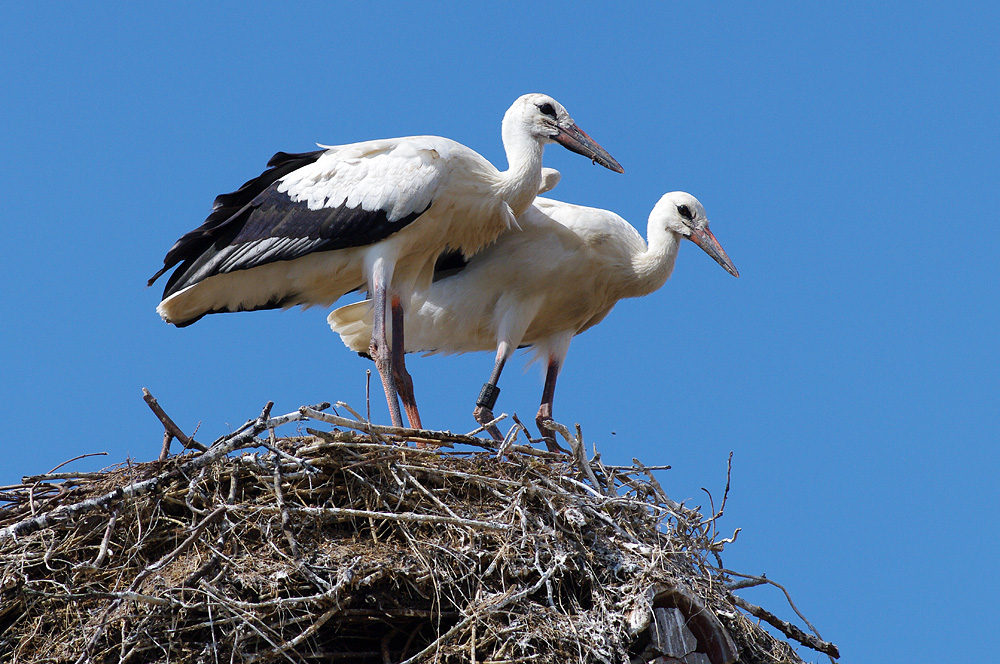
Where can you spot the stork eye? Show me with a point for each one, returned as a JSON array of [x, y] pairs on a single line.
[[547, 109], [685, 212]]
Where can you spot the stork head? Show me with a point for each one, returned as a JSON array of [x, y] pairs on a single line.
[[681, 213], [544, 119]]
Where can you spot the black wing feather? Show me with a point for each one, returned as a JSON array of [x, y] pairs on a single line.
[[226, 206], [257, 225], [450, 262]]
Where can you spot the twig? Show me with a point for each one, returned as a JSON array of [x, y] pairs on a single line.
[[337, 513], [301, 463], [347, 407], [632, 469], [610, 481], [121, 596], [491, 423], [286, 521], [725, 495], [580, 450], [788, 597], [49, 477], [76, 458], [424, 435], [368, 395], [169, 428], [248, 619], [745, 583], [280, 602], [550, 440], [729, 474], [354, 443], [510, 438], [661, 494], [425, 491], [103, 552], [787, 628]]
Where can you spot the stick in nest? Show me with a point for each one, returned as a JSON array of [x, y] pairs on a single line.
[[170, 429]]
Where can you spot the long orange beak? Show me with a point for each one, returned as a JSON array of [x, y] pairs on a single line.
[[575, 139], [704, 239]]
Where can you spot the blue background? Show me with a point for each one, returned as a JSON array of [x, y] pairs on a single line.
[[846, 153]]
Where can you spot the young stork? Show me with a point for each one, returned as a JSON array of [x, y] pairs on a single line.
[[559, 275], [373, 215]]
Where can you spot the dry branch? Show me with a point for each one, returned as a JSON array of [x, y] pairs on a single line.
[[170, 429], [787, 628]]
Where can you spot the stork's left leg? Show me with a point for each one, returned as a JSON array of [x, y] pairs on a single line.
[[488, 395], [545, 410], [404, 383]]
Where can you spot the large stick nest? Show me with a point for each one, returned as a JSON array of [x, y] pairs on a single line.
[[351, 546]]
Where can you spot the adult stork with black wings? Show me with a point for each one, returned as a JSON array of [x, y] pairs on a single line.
[[373, 215]]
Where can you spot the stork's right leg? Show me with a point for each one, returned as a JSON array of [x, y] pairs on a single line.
[[380, 351], [488, 395], [545, 409], [404, 383]]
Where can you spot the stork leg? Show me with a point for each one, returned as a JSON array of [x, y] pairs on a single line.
[[380, 352], [404, 383], [488, 395], [545, 410]]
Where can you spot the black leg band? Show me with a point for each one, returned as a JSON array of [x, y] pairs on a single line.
[[488, 396]]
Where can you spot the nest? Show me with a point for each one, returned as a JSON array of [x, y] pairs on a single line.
[[350, 545]]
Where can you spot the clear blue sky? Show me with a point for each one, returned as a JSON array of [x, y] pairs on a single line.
[[847, 154]]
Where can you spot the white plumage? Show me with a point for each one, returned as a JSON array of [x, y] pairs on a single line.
[[372, 215], [560, 274]]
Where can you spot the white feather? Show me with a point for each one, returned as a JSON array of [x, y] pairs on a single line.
[[561, 274]]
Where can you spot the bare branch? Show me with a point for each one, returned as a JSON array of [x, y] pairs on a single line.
[[787, 628], [170, 429]]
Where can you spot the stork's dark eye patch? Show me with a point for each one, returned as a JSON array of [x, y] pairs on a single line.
[[547, 109]]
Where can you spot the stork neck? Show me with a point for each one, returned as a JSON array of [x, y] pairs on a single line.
[[652, 268], [519, 184]]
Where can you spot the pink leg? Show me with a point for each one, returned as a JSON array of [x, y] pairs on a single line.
[[545, 410], [379, 350], [403, 380]]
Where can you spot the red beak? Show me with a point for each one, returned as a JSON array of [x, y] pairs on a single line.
[[575, 139], [704, 239]]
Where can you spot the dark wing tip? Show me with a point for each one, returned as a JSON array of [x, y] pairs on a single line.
[[228, 206], [280, 158], [159, 273]]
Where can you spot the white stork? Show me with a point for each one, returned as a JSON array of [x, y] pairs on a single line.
[[559, 275], [373, 215]]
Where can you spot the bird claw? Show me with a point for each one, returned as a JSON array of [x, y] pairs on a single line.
[[484, 416]]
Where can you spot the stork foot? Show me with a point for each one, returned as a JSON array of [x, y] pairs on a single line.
[[484, 416]]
